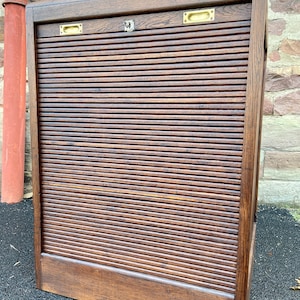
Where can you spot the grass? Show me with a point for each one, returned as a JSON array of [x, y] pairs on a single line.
[[295, 212]]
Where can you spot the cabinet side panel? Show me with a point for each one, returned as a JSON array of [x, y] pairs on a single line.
[[32, 81], [251, 147]]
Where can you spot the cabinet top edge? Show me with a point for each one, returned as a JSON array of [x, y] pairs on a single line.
[[47, 11]]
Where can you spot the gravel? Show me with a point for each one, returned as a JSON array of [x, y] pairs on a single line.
[[277, 255], [276, 265]]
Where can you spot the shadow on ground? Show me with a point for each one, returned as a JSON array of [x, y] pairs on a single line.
[[277, 256]]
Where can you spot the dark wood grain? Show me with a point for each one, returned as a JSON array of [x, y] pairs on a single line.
[[170, 21], [69, 9], [34, 134]]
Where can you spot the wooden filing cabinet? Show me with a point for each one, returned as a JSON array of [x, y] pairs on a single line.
[[145, 124]]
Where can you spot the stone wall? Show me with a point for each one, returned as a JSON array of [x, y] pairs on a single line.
[[280, 150]]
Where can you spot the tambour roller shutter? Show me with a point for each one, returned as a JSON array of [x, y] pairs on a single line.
[[140, 136]]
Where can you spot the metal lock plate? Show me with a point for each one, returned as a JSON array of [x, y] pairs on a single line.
[[129, 25]]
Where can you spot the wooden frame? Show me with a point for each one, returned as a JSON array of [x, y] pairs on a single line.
[[68, 9], [47, 12], [253, 116]]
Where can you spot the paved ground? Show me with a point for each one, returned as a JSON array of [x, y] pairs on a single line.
[[277, 258]]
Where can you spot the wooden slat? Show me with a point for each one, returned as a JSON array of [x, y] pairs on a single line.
[[240, 40], [108, 66], [58, 159], [143, 140], [209, 242], [213, 44], [168, 147], [129, 71], [205, 209], [181, 126], [176, 121], [207, 79], [193, 249], [202, 186], [144, 176], [157, 36], [138, 59], [117, 214], [183, 156], [171, 189], [95, 93], [135, 157], [143, 193], [207, 213], [212, 247], [202, 109], [165, 103], [158, 58]]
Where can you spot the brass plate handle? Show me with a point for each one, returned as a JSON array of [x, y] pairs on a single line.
[[198, 16], [70, 29]]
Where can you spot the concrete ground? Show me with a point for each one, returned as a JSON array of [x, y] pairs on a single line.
[[276, 265]]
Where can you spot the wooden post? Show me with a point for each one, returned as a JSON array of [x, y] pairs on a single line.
[[14, 101]]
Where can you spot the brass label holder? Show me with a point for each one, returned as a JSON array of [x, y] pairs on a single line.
[[198, 16]]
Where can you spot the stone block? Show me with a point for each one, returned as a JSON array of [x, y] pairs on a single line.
[[1, 28], [281, 133], [285, 6], [1, 57], [288, 60], [291, 47], [282, 165], [261, 164], [274, 56], [285, 71], [277, 191], [292, 26], [276, 27], [288, 104], [1, 92], [1, 124], [268, 106], [280, 82]]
